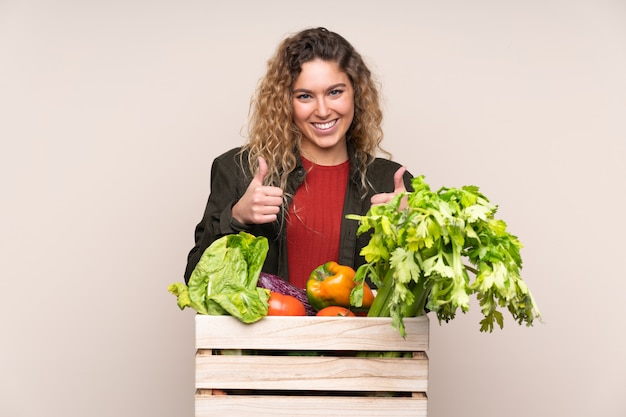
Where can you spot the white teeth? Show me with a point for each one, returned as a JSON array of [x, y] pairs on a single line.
[[324, 126]]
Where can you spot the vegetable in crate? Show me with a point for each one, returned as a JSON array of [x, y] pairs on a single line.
[[225, 279], [335, 311], [331, 284], [415, 257], [284, 305], [277, 284]]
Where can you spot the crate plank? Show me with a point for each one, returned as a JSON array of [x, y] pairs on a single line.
[[309, 406], [311, 333], [312, 373]]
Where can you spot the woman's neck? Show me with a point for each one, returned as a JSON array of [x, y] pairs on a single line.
[[328, 157]]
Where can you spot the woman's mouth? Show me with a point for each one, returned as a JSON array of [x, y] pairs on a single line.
[[325, 126]]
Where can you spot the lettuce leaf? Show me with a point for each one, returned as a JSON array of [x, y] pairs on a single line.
[[224, 281]]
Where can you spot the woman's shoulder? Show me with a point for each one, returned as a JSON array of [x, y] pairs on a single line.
[[231, 162], [382, 165], [380, 174], [230, 154]]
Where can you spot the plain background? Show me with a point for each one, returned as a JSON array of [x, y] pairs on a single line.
[[112, 111]]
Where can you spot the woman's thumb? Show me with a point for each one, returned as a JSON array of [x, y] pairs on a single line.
[[398, 180], [262, 171]]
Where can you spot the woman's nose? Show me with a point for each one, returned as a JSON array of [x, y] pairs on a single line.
[[322, 110]]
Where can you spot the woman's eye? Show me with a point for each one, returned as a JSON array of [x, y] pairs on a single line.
[[336, 92], [303, 96]]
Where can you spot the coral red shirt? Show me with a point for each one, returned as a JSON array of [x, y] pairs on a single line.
[[314, 219]]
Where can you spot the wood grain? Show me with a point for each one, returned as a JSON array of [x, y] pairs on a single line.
[[309, 406], [311, 333]]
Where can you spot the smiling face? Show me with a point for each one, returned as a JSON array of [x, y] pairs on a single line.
[[323, 109]]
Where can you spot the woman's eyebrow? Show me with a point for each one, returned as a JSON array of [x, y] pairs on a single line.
[[332, 87]]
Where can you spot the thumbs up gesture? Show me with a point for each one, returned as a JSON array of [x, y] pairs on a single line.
[[398, 184], [260, 203]]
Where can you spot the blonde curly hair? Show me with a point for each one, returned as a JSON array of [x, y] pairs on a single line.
[[272, 131]]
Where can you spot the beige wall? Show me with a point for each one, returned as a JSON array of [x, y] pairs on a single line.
[[112, 111]]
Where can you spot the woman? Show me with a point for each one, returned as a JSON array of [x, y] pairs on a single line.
[[310, 160]]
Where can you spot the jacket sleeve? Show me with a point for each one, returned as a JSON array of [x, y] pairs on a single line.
[[227, 187]]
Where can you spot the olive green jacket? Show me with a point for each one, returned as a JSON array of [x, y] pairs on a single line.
[[229, 181]]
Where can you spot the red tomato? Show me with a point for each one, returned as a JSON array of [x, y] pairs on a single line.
[[336, 311], [285, 305]]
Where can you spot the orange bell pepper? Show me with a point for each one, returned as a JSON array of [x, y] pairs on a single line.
[[330, 284]]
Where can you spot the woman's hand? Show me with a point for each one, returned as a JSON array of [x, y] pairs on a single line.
[[260, 203], [398, 182]]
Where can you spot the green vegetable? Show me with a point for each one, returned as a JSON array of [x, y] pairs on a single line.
[[225, 279], [415, 256]]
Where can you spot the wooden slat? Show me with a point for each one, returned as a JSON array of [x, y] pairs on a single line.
[[312, 373], [309, 406], [311, 333]]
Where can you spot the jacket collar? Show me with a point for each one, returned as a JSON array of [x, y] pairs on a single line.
[[354, 173]]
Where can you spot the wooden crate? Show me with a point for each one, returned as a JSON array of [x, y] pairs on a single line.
[[310, 366]]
